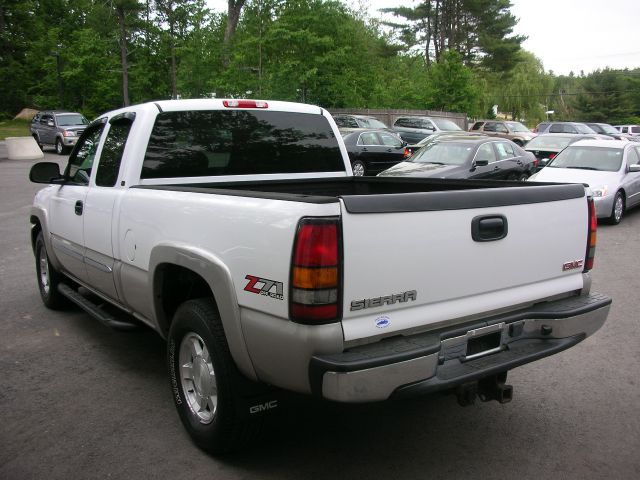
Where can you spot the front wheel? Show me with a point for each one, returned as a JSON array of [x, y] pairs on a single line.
[[359, 169], [204, 380], [48, 278], [618, 209], [60, 149]]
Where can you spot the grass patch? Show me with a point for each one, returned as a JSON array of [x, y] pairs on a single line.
[[14, 128]]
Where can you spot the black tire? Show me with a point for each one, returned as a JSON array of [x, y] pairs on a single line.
[[617, 211], [60, 148], [48, 278], [219, 426], [359, 168], [35, 137]]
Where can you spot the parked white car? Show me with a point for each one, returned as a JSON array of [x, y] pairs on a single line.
[[610, 167]]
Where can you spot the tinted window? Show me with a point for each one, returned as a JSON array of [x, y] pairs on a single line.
[[485, 152], [490, 127], [562, 128], [477, 125], [369, 138], [406, 122], [504, 150], [424, 123], [390, 140], [634, 157], [81, 160], [111, 155], [237, 142]]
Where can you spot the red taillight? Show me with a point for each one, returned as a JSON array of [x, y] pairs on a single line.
[[591, 236], [245, 104], [316, 272], [552, 156], [407, 153]]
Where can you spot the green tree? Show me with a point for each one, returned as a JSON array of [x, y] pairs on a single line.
[[453, 85]]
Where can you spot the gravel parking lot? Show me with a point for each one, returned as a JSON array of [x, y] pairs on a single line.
[[81, 401]]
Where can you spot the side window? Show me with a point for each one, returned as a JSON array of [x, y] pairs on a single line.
[[634, 156], [504, 150], [352, 123], [556, 128], [501, 128], [45, 119], [490, 127], [369, 138], [485, 152], [424, 123], [401, 122], [390, 140], [477, 125], [81, 160], [624, 130], [112, 151]]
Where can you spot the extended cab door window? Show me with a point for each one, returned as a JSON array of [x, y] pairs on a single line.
[[81, 160], [112, 150]]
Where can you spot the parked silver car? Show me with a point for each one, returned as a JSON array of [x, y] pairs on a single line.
[[611, 168], [413, 129], [58, 129]]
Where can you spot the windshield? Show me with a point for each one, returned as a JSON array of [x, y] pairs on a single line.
[[584, 129], [589, 158], [449, 153], [517, 127], [544, 142], [444, 124], [372, 123], [68, 120], [604, 128]]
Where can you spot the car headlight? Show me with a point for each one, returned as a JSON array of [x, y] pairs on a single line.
[[526, 139], [599, 192], [68, 133]]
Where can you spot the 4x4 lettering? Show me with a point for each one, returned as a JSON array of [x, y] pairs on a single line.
[[264, 286]]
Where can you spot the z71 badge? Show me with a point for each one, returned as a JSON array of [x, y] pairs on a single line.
[[264, 286]]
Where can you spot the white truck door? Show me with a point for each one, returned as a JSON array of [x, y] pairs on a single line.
[[68, 205], [99, 207]]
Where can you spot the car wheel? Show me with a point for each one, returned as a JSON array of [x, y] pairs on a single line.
[[358, 168], [60, 150], [618, 209], [204, 379], [48, 278]]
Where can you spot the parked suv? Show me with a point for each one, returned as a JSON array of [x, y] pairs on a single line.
[[514, 131], [564, 127], [414, 129], [629, 129], [58, 129]]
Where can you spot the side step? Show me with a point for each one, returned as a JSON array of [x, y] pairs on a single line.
[[94, 310]]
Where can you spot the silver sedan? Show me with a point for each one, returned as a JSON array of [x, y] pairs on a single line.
[[611, 168]]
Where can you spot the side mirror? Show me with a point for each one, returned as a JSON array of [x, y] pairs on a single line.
[[634, 168], [45, 172], [481, 163]]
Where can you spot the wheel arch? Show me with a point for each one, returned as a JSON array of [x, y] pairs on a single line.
[[181, 272]]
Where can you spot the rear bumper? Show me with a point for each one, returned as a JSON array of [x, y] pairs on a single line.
[[428, 362]]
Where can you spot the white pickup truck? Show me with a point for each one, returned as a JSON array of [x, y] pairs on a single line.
[[236, 230]]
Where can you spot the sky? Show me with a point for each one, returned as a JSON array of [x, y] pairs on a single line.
[[571, 35]]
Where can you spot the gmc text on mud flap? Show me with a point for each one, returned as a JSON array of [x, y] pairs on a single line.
[[264, 286]]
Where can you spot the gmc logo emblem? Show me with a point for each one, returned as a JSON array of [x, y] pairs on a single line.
[[572, 265]]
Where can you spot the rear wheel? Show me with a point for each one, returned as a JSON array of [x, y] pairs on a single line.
[[359, 169], [48, 278], [618, 209], [204, 380]]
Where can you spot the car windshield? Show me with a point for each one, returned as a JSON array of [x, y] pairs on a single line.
[[70, 119], [589, 158], [604, 128], [584, 129], [449, 153], [444, 124], [517, 127], [372, 123], [553, 142]]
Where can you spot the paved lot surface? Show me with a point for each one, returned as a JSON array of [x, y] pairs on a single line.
[[80, 401]]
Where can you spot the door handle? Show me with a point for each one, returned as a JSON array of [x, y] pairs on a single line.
[[488, 228], [79, 207]]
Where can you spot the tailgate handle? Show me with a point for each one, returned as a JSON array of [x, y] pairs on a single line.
[[488, 228]]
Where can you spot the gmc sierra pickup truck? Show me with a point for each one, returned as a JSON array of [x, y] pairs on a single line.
[[236, 230]]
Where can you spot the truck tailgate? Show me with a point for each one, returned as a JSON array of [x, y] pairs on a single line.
[[418, 261]]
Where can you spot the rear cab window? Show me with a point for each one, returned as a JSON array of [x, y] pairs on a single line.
[[240, 142]]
